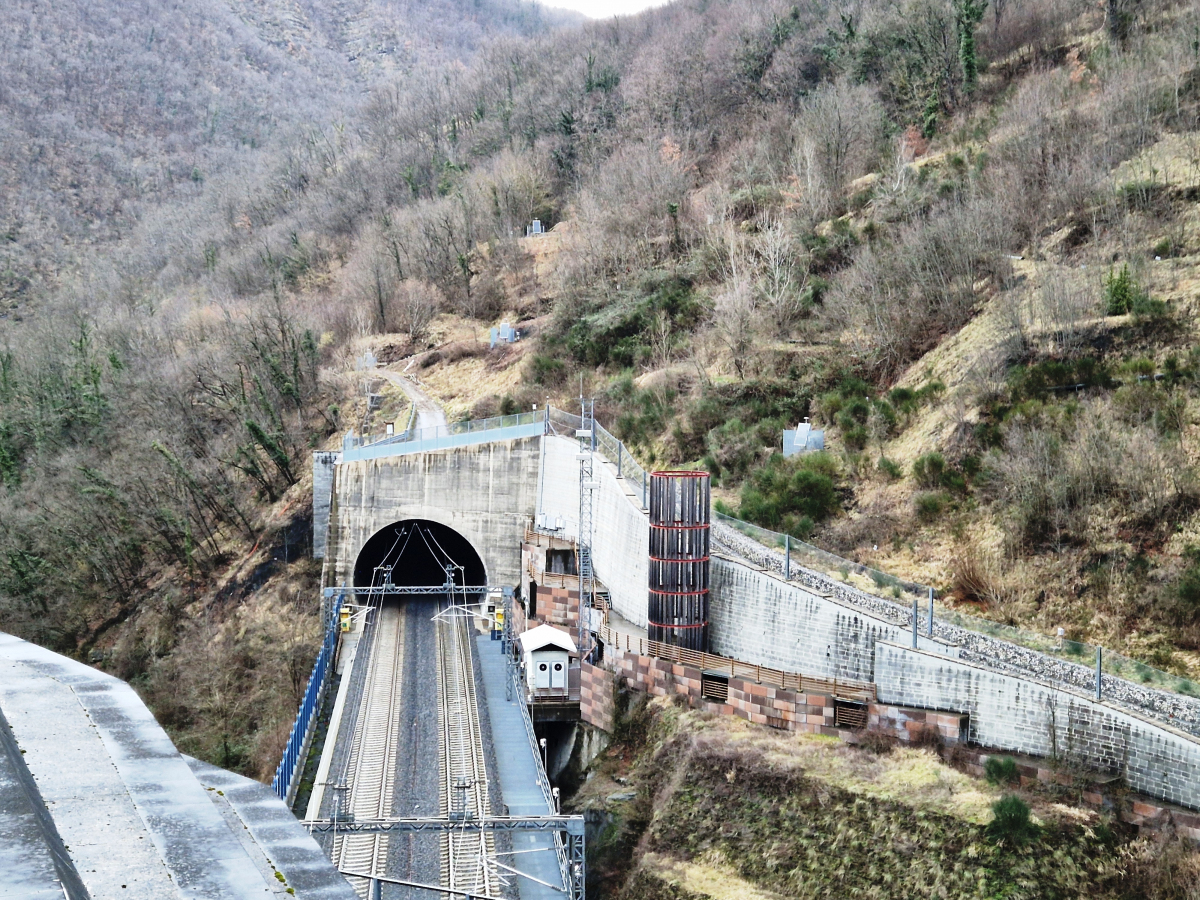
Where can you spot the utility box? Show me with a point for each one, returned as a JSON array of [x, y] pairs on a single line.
[[547, 652], [805, 439], [344, 619]]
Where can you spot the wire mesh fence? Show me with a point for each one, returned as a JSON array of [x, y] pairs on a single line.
[[452, 429], [802, 554], [1066, 664]]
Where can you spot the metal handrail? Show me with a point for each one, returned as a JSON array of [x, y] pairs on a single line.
[[452, 429], [293, 753]]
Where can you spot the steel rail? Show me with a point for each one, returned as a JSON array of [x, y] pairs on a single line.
[[373, 751], [468, 856], [570, 824]]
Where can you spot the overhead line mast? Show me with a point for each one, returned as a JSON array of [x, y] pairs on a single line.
[[587, 486]]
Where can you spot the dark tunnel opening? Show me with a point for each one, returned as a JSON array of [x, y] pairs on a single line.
[[416, 552]]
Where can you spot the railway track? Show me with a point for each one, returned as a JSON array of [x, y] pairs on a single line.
[[468, 858], [391, 697], [372, 759]]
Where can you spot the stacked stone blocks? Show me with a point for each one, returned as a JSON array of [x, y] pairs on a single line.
[[596, 706]]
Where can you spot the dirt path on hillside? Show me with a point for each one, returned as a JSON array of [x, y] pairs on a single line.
[[429, 412]]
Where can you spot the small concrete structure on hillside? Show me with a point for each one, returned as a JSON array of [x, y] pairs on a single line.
[[805, 439]]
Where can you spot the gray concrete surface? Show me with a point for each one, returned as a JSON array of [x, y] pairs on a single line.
[[485, 492], [31, 851], [271, 835], [1011, 713], [135, 820], [622, 527]]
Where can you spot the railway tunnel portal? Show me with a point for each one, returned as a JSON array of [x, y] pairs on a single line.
[[417, 553]]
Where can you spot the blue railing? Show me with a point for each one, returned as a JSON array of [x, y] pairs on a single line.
[[293, 755]]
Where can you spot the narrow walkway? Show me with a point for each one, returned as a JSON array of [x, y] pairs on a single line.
[[518, 778], [429, 413]]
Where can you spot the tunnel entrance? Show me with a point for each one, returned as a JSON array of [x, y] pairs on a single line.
[[416, 552]]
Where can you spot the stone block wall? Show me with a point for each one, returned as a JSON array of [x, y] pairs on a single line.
[[918, 725], [596, 706], [759, 703], [1024, 716], [557, 606], [557, 599]]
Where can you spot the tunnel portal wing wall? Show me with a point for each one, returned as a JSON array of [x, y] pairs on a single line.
[[621, 544], [486, 492]]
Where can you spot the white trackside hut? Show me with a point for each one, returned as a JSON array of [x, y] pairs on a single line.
[[547, 652]]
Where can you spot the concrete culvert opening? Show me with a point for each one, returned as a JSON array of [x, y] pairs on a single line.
[[415, 552]]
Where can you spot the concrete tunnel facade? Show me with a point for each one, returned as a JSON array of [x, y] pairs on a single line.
[[486, 493]]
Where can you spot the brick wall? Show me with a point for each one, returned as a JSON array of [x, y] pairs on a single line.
[[916, 725], [556, 603], [748, 700], [596, 696], [557, 606]]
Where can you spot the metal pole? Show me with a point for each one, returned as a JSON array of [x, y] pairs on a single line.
[[620, 455], [787, 557], [1099, 663], [914, 623], [376, 890], [931, 612]]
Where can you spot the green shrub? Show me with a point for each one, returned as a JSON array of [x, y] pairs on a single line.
[[1143, 195], [1011, 821], [1167, 248], [928, 469], [547, 370], [1040, 380], [892, 470], [791, 495], [1000, 770], [1122, 295], [930, 505], [855, 438]]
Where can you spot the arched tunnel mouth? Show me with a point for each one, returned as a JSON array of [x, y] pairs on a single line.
[[416, 553]]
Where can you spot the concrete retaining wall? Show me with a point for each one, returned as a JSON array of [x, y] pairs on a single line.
[[759, 618], [485, 492], [1017, 714], [324, 463], [622, 545]]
